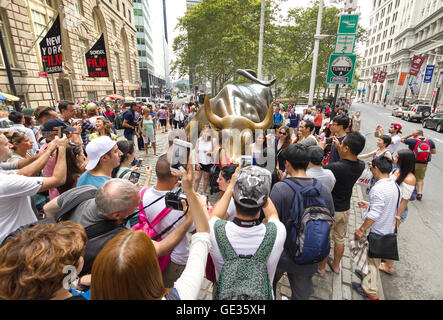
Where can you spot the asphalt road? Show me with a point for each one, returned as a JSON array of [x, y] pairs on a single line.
[[417, 274]]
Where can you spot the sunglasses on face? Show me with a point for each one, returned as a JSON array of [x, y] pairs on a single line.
[[283, 133]]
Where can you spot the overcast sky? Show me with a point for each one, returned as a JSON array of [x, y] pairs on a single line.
[[177, 8]]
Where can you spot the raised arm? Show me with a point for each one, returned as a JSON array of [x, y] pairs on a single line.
[[32, 166]]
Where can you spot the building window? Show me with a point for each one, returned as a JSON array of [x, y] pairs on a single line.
[[39, 21], [118, 5], [6, 40], [97, 25], [124, 10], [114, 29], [83, 45], [78, 7], [118, 70]]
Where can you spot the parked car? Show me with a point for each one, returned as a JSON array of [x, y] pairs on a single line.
[[434, 122], [398, 112], [417, 113]]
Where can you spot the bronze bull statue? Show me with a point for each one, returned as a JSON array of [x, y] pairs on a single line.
[[238, 107]]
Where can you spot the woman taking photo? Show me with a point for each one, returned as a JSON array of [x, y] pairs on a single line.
[[383, 143], [404, 176], [124, 170], [204, 151], [103, 128], [20, 145]]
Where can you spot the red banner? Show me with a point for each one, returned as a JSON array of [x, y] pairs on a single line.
[[375, 77], [402, 79], [417, 61], [382, 76]]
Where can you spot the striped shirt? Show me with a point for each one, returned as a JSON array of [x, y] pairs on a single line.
[[383, 204]]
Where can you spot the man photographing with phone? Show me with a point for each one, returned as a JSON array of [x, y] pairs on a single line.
[[166, 182]]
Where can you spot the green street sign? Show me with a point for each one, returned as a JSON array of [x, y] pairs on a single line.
[[345, 43], [348, 24], [341, 68]]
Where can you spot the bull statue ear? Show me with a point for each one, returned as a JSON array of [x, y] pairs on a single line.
[[251, 75]]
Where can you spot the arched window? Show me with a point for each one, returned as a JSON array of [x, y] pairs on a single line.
[[97, 25]]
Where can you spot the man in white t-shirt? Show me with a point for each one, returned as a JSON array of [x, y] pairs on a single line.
[[250, 191], [15, 189], [165, 183]]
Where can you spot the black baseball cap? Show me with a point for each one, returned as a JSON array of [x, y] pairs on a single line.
[[54, 124], [316, 154]]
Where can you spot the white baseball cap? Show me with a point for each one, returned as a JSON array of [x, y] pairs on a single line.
[[97, 148]]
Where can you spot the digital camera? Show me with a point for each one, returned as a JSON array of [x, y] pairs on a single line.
[[174, 197]]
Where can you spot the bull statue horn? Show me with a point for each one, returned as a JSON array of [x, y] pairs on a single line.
[[267, 122], [214, 119]]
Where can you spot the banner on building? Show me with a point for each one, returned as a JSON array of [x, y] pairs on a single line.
[[96, 59], [382, 76], [375, 77], [417, 62], [402, 79], [51, 49], [429, 73]]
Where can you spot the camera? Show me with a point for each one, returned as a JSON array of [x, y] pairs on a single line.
[[174, 197]]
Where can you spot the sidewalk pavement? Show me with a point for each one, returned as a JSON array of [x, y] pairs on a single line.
[[328, 287]]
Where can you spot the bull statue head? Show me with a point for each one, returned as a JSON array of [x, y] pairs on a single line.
[[237, 112]]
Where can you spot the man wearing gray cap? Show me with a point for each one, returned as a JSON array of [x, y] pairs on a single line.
[[250, 187]]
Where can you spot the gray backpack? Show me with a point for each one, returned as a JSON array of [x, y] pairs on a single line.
[[244, 277]]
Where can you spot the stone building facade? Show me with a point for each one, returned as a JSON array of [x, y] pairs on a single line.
[[411, 27], [25, 23]]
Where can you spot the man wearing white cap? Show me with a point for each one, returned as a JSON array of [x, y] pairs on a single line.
[[104, 156]]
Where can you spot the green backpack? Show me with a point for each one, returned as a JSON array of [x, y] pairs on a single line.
[[244, 278]]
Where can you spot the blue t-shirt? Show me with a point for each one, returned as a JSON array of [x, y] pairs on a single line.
[[129, 116], [294, 120], [277, 118], [88, 179]]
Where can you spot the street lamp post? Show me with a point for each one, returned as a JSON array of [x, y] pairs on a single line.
[[316, 49], [260, 45]]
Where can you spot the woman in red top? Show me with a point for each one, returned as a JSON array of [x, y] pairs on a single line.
[[318, 120]]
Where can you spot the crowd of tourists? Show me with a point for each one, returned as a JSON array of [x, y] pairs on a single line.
[[76, 224]]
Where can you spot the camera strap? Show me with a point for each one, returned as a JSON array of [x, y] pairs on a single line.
[[154, 238], [246, 223], [138, 211]]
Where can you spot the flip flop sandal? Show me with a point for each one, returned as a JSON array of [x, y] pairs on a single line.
[[359, 290], [381, 267], [330, 266]]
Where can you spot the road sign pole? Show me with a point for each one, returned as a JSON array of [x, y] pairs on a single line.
[[334, 102], [315, 60]]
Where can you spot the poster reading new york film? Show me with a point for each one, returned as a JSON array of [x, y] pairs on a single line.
[[51, 49], [96, 59]]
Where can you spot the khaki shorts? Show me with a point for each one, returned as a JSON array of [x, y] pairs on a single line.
[[420, 171], [171, 273], [341, 219]]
